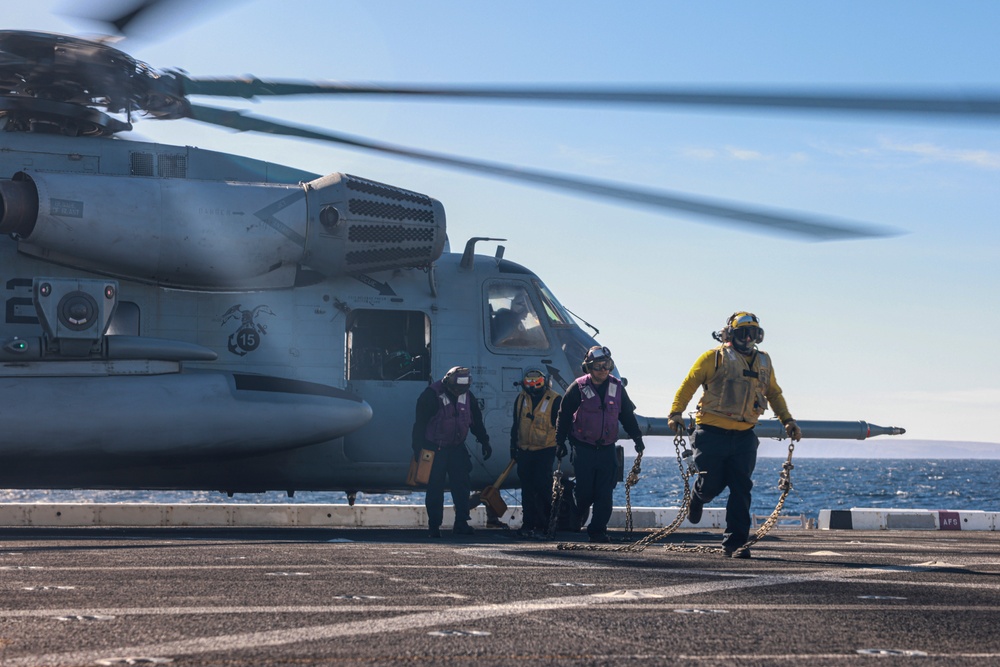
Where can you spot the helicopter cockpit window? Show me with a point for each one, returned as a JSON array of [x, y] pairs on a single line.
[[388, 345], [552, 308], [513, 320]]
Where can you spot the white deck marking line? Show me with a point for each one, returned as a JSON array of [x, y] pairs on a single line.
[[403, 623], [906, 606], [804, 658], [349, 607]]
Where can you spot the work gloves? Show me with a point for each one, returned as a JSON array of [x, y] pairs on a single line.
[[639, 447], [487, 450], [675, 421], [793, 430], [513, 453], [561, 450]]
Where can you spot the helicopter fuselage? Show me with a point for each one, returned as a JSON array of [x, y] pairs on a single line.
[[177, 318], [379, 336]]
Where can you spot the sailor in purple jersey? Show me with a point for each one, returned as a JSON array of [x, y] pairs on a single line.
[[446, 412], [592, 408]]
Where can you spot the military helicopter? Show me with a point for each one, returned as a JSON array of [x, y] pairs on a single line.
[[178, 318]]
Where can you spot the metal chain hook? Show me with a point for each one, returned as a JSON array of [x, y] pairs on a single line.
[[630, 481], [557, 490]]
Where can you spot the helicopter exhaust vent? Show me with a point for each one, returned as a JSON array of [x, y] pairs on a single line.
[[398, 234], [387, 191], [373, 209], [371, 226]]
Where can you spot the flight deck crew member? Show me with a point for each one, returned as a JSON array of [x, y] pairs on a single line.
[[738, 382], [533, 446], [446, 411], [591, 410]]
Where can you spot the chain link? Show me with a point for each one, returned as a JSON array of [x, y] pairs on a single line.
[[557, 491], [784, 484], [630, 481], [641, 544]]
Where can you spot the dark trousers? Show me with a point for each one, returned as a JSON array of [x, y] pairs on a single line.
[[534, 469], [727, 459], [453, 462], [595, 469]]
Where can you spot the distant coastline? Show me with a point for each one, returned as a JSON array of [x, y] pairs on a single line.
[[883, 447]]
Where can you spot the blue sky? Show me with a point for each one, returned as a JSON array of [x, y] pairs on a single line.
[[896, 331]]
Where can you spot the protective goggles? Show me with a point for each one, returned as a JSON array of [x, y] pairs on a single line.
[[533, 381], [604, 364], [747, 333]]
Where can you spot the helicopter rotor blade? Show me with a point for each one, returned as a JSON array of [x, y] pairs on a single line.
[[120, 15], [963, 105], [813, 229], [142, 18]]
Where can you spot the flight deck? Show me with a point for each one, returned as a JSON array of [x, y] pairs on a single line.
[[377, 596]]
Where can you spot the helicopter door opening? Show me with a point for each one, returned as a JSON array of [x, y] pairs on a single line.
[[388, 345], [388, 365]]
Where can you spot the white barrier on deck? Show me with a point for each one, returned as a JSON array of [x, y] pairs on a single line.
[[863, 518], [415, 516], [303, 515]]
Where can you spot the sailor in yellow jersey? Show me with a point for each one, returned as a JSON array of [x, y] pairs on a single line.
[[738, 382], [533, 446]]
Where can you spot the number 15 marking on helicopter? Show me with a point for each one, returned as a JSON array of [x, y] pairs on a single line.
[[246, 338]]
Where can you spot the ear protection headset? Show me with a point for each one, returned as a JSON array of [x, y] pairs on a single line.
[[597, 353], [739, 320]]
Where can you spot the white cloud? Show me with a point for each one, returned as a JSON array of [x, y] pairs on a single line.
[[700, 153], [726, 152], [934, 153], [744, 154]]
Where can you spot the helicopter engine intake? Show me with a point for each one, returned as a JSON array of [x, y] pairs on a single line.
[[196, 234]]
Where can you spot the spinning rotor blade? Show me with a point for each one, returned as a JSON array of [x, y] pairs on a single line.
[[121, 22], [963, 105], [812, 229], [141, 17]]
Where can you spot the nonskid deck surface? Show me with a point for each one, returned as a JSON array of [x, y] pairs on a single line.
[[237, 596]]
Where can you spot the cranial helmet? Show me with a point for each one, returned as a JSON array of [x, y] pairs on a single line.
[[598, 358], [457, 380], [534, 382], [743, 331], [519, 305]]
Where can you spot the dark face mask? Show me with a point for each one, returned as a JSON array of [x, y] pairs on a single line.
[[535, 391], [744, 339]]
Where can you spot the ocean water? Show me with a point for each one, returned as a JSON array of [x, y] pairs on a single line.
[[936, 484]]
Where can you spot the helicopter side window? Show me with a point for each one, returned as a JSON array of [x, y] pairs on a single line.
[[388, 345], [513, 320]]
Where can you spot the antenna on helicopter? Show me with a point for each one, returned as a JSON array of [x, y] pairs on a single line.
[[470, 250], [596, 330]]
